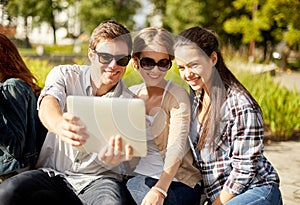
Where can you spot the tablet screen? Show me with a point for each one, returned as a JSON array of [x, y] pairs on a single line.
[[106, 117]]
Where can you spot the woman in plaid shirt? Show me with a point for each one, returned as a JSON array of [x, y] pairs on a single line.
[[226, 128]]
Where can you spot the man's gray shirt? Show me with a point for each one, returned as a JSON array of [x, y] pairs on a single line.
[[61, 158]]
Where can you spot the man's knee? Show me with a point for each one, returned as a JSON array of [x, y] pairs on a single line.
[[8, 191]]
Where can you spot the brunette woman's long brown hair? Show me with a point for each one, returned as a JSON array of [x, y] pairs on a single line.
[[13, 66], [223, 78]]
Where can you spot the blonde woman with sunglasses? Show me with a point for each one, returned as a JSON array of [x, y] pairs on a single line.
[[166, 175]]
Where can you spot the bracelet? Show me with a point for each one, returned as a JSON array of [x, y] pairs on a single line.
[[160, 191]]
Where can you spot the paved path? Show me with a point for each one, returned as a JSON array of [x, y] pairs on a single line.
[[285, 156], [290, 80]]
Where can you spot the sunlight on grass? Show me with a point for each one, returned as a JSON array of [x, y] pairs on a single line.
[[39, 68]]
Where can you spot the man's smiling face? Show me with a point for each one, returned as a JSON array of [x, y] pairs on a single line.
[[109, 73]]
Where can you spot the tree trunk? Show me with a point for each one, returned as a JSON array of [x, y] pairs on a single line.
[[27, 43], [53, 26], [284, 58], [251, 51], [54, 33]]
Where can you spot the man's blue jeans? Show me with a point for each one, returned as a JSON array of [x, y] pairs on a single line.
[[178, 193], [262, 195]]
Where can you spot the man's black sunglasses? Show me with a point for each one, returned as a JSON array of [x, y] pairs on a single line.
[[106, 58], [149, 63]]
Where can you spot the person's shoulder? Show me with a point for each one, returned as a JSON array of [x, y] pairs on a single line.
[[15, 82], [17, 88], [68, 72], [125, 91], [237, 95], [175, 86], [12, 81], [175, 93], [239, 100], [135, 88], [71, 68], [176, 89]]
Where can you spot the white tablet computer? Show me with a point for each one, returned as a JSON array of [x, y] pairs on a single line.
[[105, 117]]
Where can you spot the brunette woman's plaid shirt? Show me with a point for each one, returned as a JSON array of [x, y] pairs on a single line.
[[237, 162]]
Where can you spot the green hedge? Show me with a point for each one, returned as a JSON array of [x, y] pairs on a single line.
[[40, 68], [280, 106]]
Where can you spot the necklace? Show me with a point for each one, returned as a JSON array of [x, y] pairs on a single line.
[[199, 96]]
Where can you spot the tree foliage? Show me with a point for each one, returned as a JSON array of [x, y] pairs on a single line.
[[238, 22], [180, 14], [267, 22], [281, 18], [249, 24], [24, 9], [92, 12], [40, 11], [284, 15]]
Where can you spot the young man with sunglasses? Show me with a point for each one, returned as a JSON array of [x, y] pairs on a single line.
[[65, 175]]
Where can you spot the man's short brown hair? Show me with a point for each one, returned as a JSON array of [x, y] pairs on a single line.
[[109, 30]]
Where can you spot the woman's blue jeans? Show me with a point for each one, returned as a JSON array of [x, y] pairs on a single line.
[[178, 192], [262, 195]]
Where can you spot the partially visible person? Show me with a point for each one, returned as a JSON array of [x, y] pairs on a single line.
[[65, 175], [167, 174], [19, 123], [227, 126]]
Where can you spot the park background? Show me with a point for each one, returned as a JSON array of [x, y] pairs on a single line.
[[259, 39]]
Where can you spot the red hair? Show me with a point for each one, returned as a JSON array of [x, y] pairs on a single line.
[[13, 66]]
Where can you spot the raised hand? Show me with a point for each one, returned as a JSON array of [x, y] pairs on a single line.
[[113, 154]]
